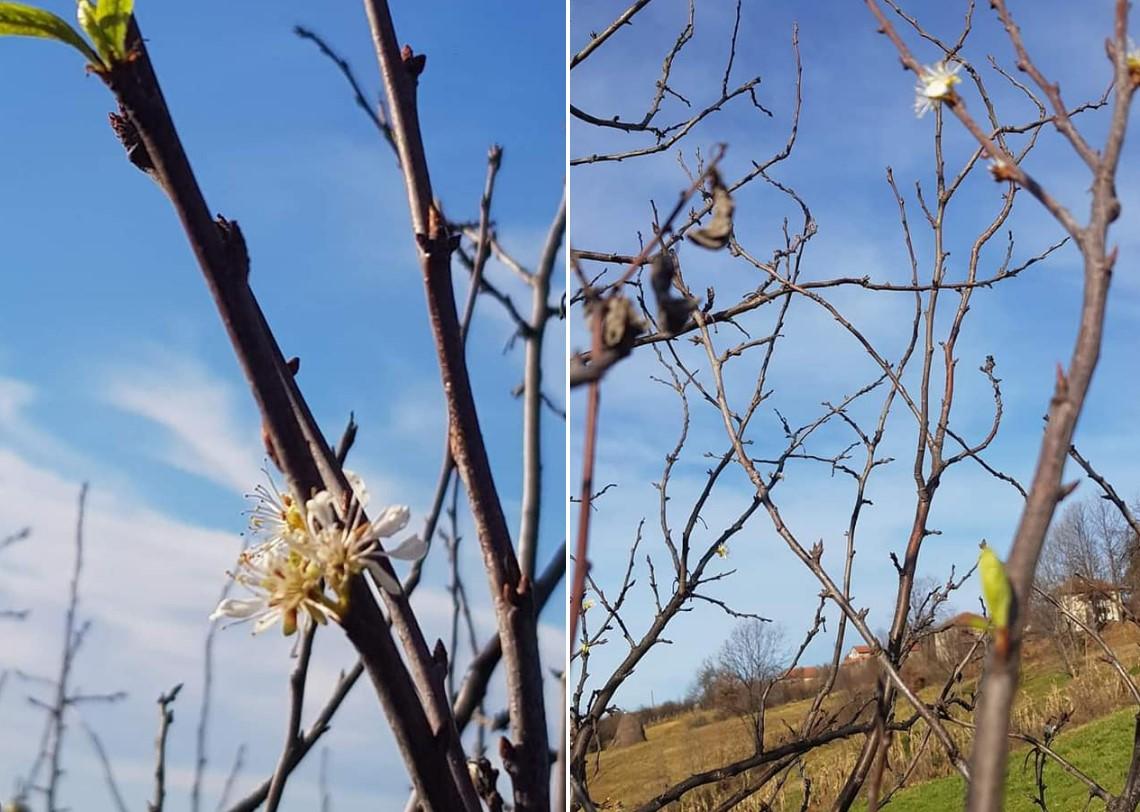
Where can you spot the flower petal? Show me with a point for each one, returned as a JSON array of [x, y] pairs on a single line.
[[321, 509], [240, 608], [413, 548], [265, 621], [391, 521]]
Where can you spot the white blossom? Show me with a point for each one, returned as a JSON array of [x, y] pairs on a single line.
[[300, 569], [935, 84]]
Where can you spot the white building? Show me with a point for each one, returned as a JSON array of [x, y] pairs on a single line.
[[1092, 601]]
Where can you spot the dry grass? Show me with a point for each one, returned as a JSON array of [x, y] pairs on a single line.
[[625, 777], [678, 748]]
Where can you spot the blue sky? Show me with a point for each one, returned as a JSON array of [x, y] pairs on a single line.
[[857, 120], [114, 367]]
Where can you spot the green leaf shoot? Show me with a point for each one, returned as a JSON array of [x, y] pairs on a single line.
[[87, 13], [19, 20], [107, 25], [996, 591]]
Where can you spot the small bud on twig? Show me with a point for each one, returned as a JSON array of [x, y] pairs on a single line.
[[129, 136], [234, 243], [413, 63]]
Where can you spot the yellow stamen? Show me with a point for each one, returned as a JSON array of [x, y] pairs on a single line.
[[293, 518]]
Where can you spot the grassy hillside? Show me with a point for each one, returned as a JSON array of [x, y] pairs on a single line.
[[622, 778], [1101, 749], [676, 749]]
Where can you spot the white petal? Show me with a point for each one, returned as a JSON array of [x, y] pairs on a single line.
[[240, 608], [383, 579], [412, 548], [266, 620], [321, 510], [391, 521]]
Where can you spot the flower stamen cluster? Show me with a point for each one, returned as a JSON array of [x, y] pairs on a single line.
[[301, 569], [1132, 61], [935, 85]]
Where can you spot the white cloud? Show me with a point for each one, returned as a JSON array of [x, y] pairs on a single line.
[[16, 399], [205, 432], [149, 582]]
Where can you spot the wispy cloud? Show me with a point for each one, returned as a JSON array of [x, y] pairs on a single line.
[[149, 583], [17, 399], [204, 431]]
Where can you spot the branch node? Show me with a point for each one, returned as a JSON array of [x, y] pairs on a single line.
[[523, 589], [413, 63], [485, 777], [1062, 391], [234, 242], [1067, 489], [129, 137], [439, 654], [817, 551], [508, 756]]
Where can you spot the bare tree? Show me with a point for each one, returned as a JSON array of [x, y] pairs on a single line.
[[1083, 564], [1072, 385], [45, 776], [1090, 540], [718, 347], [1063, 635], [752, 657]]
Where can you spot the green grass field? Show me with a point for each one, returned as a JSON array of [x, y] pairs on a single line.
[[1100, 748]]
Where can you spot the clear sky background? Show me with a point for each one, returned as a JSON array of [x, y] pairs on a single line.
[[857, 120], [114, 367]]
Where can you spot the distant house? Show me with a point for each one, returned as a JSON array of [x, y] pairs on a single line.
[[1093, 601], [805, 674], [858, 654], [953, 638]]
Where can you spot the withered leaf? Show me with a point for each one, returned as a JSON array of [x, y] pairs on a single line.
[[716, 233], [620, 323], [673, 314], [663, 269]]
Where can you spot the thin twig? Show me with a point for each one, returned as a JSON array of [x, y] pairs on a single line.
[[165, 718], [527, 756], [105, 764]]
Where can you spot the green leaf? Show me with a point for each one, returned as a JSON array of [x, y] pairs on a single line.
[[19, 20], [996, 589], [89, 22], [113, 17]]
